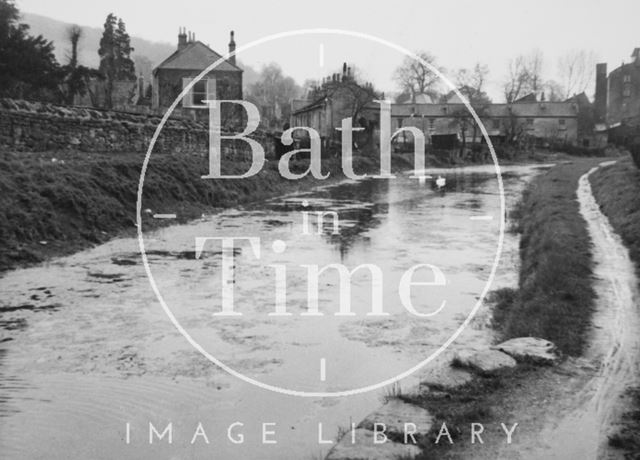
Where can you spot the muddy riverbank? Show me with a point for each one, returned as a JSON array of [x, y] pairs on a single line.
[[57, 203]]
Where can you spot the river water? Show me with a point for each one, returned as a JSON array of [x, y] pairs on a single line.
[[89, 358]]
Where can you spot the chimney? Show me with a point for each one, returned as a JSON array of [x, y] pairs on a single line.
[[232, 49], [600, 103], [182, 38]]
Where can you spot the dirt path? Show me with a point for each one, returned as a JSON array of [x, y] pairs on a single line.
[[569, 411], [582, 432]]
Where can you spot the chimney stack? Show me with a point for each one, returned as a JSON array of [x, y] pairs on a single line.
[[232, 49], [600, 103], [182, 38]]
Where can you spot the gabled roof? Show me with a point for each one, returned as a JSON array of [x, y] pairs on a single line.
[[531, 97], [196, 56], [581, 99]]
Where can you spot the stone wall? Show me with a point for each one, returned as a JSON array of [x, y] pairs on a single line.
[[37, 127]]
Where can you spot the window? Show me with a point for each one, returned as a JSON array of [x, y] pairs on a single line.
[[529, 121], [202, 90], [432, 122], [626, 78], [496, 123], [563, 123], [626, 92], [199, 92]]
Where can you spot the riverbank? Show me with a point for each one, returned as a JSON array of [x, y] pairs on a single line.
[[617, 189], [55, 204], [555, 297], [554, 301]]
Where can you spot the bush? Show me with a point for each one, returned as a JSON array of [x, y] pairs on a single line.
[[579, 151]]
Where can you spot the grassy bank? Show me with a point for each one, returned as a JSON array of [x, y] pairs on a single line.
[[555, 298], [554, 301], [617, 191], [57, 203]]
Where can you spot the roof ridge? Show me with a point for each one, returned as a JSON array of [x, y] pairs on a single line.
[[190, 46]]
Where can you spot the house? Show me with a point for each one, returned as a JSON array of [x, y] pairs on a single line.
[[537, 120], [444, 123], [618, 100], [339, 96], [188, 61]]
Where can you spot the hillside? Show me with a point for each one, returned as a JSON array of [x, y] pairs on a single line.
[[56, 31], [147, 54]]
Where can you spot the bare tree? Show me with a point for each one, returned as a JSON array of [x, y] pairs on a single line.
[[274, 92], [74, 34], [414, 77], [576, 69], [470, 83], [524, 76], [517, 79], [534, 62], [553, 91]]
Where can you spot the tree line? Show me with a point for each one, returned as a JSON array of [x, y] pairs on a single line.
[[29, 69], [525, 75]]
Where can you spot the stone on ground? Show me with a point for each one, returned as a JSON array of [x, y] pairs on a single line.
[[365, 448], [529, 349], [487, 361], [395, 414], [446, 378]]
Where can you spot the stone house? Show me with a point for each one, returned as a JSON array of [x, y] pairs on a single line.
[[549, 121], [552, 121], [188, 61], [618, 99], [338, 96]]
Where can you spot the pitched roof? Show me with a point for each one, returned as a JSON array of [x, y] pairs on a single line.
[[581, 99], [531, 97], [196, 56]]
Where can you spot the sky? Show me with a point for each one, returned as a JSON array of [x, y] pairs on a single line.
[[459, 33]]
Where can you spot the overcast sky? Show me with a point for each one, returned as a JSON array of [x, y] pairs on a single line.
[[459, 33]]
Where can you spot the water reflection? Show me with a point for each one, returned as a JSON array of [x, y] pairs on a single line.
[[93, 349]]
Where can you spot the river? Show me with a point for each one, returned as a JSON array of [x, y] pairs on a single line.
[[88, 357]]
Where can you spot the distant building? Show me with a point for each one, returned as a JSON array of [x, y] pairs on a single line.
[[191, 58], [542, 120], [551, 121], [337, 97], [618, 99]]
